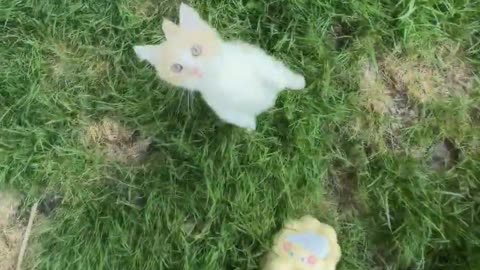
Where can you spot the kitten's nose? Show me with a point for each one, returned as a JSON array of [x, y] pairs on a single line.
[[196, 72]]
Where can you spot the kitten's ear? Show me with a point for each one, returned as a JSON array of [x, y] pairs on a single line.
[[190, 19], [149, 53], [169, 28]]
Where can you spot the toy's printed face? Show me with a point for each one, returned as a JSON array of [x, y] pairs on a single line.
[[307, 247]]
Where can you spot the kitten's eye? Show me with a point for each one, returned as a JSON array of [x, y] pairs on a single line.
[[176, 68], [196, 50]]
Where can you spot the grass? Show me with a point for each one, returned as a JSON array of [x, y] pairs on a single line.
[[211, 196]]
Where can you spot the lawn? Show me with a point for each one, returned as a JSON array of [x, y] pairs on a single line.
[[384, 144]]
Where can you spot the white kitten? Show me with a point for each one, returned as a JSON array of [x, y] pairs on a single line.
[[239, 81]]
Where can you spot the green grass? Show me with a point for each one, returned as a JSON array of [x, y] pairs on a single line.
[[212, 196]]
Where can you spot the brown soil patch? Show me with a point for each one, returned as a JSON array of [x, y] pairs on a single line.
[[117, 142], [342, 35], [344, 186], [444, 155], [11, 230]]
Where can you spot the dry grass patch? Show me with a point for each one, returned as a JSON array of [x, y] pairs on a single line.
[[11, 230], [445, 76], [374, 93], [117, 142], [386, 88], [395, 85], [69, 64], [380, 95], [144, 9], [59, 63], [150, 9]]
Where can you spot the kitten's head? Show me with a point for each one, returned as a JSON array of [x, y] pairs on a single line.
[[183, 59]]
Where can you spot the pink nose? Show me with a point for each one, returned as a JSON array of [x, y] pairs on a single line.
[[196, 72]]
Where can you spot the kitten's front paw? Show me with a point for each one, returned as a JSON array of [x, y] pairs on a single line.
[[249, 125], [297, 82], [250, 131]]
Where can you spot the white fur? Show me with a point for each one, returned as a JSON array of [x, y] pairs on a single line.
[[239, 82], [243, 82], [146, 52], [190, 19]]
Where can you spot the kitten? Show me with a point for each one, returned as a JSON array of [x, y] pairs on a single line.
[[237, 80]]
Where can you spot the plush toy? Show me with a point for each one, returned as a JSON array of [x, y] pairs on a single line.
[[304, 244]]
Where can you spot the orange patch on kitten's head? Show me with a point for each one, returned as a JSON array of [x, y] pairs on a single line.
[[184, 57]]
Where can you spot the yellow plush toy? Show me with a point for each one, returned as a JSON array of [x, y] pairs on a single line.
[[304, 244]]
